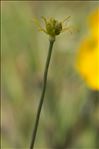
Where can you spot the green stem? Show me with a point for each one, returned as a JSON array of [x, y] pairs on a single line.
[[42, 95]]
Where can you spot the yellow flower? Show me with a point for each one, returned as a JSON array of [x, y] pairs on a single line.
[[88, 55], [94, 23]]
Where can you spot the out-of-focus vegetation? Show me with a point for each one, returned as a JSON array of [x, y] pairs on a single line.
[[24, 52]]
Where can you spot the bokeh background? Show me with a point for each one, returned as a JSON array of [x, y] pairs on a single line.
[[24, 52]]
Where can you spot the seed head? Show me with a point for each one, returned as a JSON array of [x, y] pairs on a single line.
[[52, 26]]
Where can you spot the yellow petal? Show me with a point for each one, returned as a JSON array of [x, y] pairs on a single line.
[[94, 22], [88, 62]]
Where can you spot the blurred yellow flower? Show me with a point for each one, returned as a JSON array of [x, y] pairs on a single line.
[[88, 55], [94, 23]]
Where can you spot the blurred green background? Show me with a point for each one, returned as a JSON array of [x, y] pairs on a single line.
[[24, 52]]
